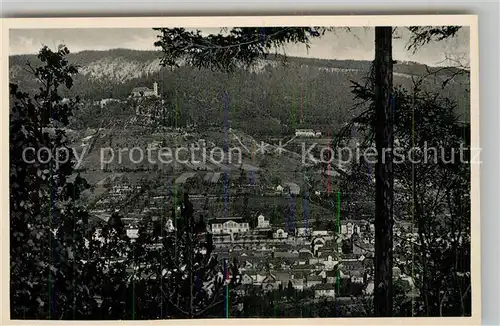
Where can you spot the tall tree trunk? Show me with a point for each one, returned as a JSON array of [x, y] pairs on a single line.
[[384, 173]]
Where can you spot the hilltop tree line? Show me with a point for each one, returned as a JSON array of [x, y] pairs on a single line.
[[278, 97]]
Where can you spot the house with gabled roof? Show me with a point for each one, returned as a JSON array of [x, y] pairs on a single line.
[[280, 234], [324, 290], [246, 279], [246, 265], [305, 253], [270, 283]]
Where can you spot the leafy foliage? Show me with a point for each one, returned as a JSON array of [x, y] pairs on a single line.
[[47, 222]]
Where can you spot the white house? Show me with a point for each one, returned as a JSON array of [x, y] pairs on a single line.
[[279, 189], [235, 227], [246, 279], [303, 232], [324, 290], [305, 133], [280, 234], [350, 228], [262, 223]]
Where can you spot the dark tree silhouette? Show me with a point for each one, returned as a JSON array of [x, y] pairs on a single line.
[[47, 221]]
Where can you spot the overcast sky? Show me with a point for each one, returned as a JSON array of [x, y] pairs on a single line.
[[358, 44]]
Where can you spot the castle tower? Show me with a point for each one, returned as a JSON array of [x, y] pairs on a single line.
[[155, 88]]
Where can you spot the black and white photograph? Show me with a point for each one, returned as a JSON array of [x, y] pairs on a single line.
[[264, 171]]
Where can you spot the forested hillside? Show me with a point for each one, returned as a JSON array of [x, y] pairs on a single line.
[[278, 94]]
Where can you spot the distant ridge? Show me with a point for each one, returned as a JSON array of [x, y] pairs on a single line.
[[276, 93]]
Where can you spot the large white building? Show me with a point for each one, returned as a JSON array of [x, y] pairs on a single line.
[[144, 91], [307, 133], [229, 226], [262, 223], [350, 228]]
